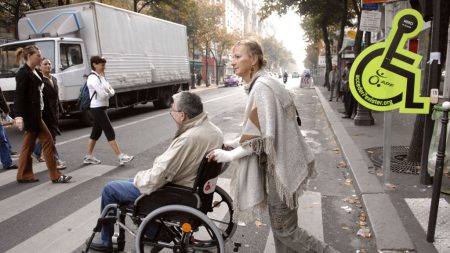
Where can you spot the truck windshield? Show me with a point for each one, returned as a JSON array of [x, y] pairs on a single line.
[[8, 65]]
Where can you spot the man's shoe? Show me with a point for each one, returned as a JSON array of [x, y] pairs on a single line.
[[124, 158], [90, 159], [345, 117], [11, 167], [14, 154], [99, 246]]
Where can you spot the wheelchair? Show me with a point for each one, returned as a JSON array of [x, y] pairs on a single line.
[[178, 218]]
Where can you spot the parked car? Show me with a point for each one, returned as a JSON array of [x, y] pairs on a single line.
[[231, 80], [295, 75]]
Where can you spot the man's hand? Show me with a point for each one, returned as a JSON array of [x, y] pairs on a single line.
[[18, 122]]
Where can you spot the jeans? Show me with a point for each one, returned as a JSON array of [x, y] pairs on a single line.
[[5, 149], [38, 149], [288, 236], [122, 192]]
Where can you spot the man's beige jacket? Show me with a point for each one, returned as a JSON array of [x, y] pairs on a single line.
[[179, 163]]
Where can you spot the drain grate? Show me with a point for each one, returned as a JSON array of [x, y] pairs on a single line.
[[399, 163]]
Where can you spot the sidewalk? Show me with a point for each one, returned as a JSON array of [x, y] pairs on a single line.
[[399, 214]]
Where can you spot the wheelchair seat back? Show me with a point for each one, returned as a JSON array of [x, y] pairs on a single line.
[[169, 194], [199, 197], [205, 183]]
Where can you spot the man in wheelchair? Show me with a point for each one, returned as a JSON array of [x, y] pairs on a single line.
[[195, 137]]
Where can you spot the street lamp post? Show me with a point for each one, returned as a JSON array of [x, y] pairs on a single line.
[[193, 63]]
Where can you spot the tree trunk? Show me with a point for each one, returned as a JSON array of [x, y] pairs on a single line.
[[326, 40], [415, 146], [341, 35]]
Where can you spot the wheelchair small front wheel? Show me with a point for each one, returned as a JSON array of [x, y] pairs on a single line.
[[179, 228]]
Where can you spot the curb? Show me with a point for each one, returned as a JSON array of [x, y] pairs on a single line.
[[390, 234]]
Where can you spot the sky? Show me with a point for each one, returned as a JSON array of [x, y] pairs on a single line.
[[287, 30]]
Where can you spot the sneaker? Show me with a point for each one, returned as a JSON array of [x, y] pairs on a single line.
[[38, 158], [14, 154], [124, 158], [90, 159], [61, 165]]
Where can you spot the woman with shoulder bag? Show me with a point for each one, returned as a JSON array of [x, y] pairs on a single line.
[[100, 91]]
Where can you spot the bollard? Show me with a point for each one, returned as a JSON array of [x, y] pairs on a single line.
[[437, 181]]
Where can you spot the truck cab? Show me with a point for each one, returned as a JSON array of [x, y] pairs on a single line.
[[68, 57]]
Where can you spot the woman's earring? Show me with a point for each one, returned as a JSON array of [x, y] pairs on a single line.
[[252, 70]]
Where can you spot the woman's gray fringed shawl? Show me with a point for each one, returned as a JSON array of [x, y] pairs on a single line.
[[289, 158]]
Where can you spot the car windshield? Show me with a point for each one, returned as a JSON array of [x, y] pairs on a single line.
[[8, 65]]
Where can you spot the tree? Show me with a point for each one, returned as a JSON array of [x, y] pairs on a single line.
[[222, 43], [275, 52], [12, 10], [322, 12]]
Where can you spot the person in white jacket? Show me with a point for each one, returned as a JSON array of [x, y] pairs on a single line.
[[100, 91], [195, 137]]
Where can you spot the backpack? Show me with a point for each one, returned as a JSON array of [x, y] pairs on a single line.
[[84, 101]]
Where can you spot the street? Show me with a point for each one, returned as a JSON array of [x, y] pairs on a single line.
[[44, 217]]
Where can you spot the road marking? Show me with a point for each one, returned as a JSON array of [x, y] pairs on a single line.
[[40, 193], [309, 218], [71, 232], [140, 120], [66, 235], [420, 207], [10, 175]]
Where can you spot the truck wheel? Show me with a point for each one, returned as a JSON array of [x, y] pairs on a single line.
[[164, 100], [86, 118]]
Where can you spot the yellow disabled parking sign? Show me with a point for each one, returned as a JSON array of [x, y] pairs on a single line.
[[386, 76]]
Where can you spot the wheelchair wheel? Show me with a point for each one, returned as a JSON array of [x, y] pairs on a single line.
[[222, 213], [179, 228]]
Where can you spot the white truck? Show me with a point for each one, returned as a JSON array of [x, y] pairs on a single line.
[[147, 58]]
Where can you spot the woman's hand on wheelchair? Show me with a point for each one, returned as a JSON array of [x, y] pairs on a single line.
[[220, 155], [224, 156]]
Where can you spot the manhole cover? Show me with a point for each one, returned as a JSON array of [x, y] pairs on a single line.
[[399, 164]]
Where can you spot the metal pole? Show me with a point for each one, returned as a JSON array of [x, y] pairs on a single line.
[[434, 77], [387, 146], [437, 182], [193, 64]]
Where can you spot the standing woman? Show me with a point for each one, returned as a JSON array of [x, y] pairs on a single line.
[[52, 107], [100, 91], [275, 162], [28, 106]]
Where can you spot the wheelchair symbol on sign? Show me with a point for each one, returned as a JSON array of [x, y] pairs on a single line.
[[386, 76]]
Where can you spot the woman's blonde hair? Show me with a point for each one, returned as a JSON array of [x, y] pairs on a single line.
[[25, 52], [254, 48]]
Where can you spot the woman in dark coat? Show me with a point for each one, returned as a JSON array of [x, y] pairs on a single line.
[[28, 106], [52, 108]]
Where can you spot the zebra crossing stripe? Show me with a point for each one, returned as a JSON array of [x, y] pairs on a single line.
[[71, 232], [10, 175], [420, 207], [66, 235], [40, 193], [309, 218]]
